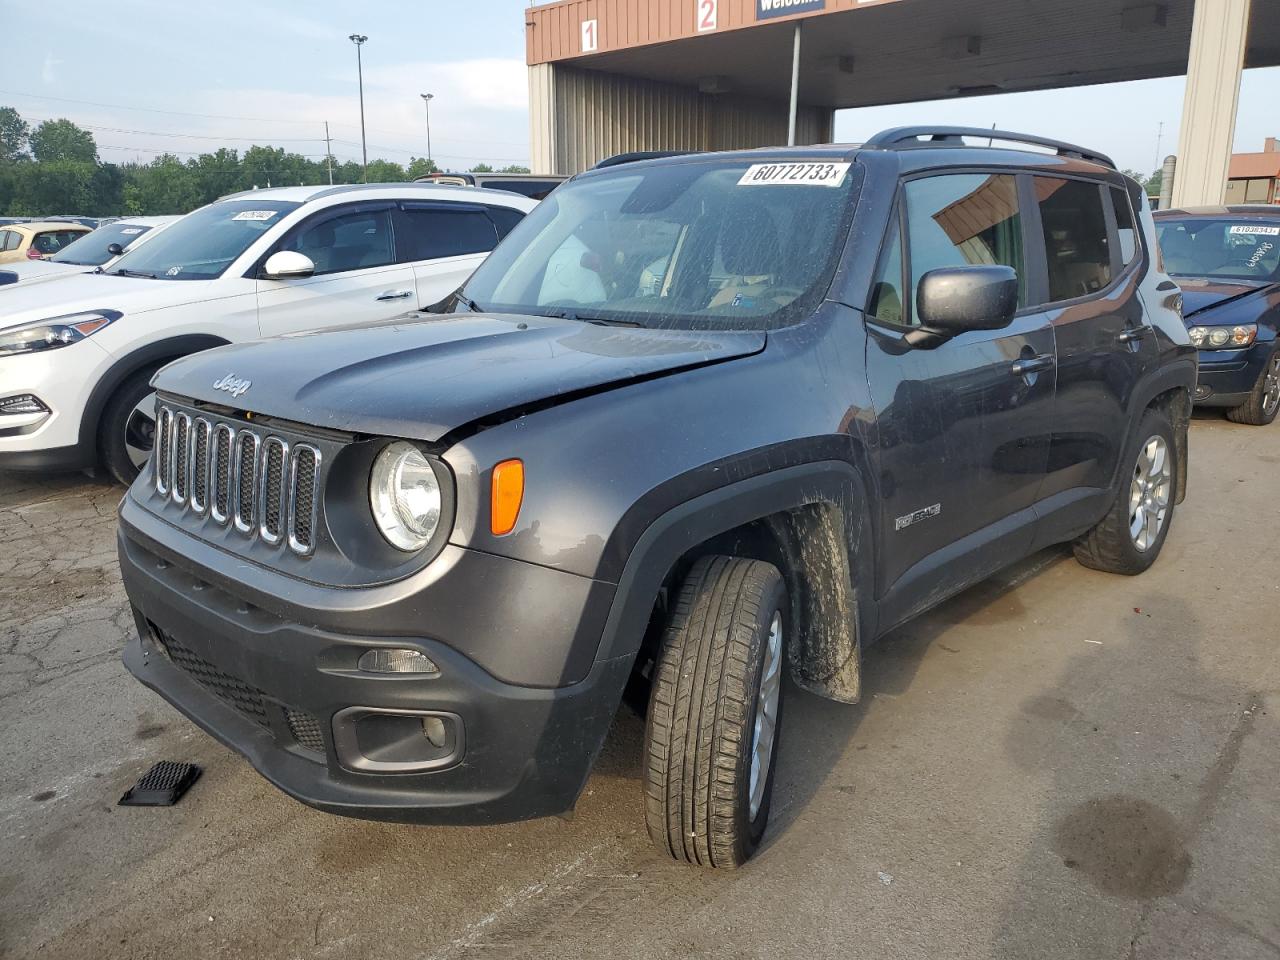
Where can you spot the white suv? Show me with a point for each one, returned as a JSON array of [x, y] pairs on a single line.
[[77, 356]]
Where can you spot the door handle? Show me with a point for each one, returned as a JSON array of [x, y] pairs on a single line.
[[1024, 368], [395, 294], [1133, 334]]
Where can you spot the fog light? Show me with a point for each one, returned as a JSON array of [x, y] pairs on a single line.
[[389, 660], [23, 403], [434, 729]]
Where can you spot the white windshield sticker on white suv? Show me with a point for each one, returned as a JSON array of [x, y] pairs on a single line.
[[1255, 230], [131, 231], [802, 174], [254, 215]]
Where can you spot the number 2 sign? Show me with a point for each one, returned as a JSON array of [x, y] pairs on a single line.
[[590, 36], [707, 15]]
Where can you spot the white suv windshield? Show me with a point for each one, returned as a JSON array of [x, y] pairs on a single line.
[[203, 244], [714, 243]]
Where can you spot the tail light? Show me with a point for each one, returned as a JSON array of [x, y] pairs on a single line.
[[34, 254]]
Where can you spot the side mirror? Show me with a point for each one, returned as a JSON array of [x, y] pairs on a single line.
[[288, 265], [115, 249], [952, 300]]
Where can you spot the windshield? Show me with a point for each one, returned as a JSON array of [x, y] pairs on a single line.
[[203, 244], [91, 249], [1224, 249], [713, 243]]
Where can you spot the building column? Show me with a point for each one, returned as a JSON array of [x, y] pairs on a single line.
[[1219, 29], [543, 121]]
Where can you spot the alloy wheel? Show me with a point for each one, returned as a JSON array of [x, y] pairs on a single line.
[[766, 724], [1149, 493], [1271, 386], [140, 431]]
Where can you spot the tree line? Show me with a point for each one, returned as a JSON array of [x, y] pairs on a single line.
[[53, 168]]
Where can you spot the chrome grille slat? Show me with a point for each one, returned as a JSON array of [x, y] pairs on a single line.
[[304, 481], [222, 472], [200, 433], [181, 457], [247, 446], [271, 495], [261, 484]]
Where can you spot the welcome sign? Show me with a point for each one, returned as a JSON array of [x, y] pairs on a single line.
[[781, 8]]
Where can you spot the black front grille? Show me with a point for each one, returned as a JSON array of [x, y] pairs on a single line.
[[181, 457], [245, 697], [200, 466], [305, 729], [222, 472], [164, 464], [248, 480]]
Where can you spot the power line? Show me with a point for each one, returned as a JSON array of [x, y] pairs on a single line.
[[184, 136]]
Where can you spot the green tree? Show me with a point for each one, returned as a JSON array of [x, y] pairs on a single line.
[[14, 134], [57, 140], [514, 168], [164, 186], [385, 171], [482, 168], [58, 186], [420, 167], [1155, 183]]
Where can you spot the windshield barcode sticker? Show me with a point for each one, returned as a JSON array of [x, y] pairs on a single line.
[[254, 215], [131, 231], [1255, 230], [802, 174]]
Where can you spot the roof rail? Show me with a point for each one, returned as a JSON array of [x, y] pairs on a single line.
[[639, 155], [906, 137]]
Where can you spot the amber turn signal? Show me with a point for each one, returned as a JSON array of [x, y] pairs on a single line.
[[507, 495]]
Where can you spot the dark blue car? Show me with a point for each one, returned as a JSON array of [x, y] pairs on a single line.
[[1227, 261]]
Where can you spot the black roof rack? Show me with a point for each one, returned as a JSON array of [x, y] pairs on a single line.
[[639, 155], [906, 137]]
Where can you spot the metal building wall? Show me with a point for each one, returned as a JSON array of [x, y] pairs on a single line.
[[578, 117]]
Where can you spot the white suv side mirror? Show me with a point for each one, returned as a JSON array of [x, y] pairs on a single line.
[[288, 265]]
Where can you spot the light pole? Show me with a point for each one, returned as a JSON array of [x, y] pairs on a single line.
[[426, 102], [359, 39]]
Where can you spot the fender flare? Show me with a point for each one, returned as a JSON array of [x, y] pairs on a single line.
[[834, 542], [129, 364], [1181, 374]]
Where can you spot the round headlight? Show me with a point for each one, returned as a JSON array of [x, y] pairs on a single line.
[[405, 496], [1219, 337]]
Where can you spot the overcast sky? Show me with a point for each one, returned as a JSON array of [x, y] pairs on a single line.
[[270, 72]]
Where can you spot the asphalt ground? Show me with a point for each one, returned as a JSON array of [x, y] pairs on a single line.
[[1055, 764]]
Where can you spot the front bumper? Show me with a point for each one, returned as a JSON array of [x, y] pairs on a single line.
[[1227, 376], [62, 380], [246, 675]]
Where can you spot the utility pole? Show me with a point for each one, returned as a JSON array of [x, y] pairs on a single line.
[[795, 85], [359, 39], [328, 152], [426, 102], [1159, 138]]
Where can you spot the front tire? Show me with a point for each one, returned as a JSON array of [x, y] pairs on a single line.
[[1129, 538], [126, 433], [1264, 400], [715, 712]]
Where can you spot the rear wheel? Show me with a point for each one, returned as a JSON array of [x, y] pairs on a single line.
[[1129, 538], [126, 434], [714, 713], [1264, 400]]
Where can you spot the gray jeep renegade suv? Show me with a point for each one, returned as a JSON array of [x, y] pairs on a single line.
[[698, 419]]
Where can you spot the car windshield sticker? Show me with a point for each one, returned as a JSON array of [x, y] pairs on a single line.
[[254, 215], [1255, 230], [173, 271], [131, 231], [803, 174]]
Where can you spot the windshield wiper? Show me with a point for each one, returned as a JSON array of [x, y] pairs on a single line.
[[469, 304], [598, 321], [124, 272]]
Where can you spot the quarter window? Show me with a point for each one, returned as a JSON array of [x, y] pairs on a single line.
[[1126, 233], [1075, 237], [886, 289], [961, 220], [8, 240]]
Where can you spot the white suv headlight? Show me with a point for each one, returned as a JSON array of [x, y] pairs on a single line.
[[55, 332], [405, 495]]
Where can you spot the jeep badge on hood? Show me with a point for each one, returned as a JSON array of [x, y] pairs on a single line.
[[232, 384]]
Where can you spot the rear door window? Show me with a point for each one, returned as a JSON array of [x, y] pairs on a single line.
[[1074, 222], [8, 240], [431, 231], [505, 219], [967, 219]]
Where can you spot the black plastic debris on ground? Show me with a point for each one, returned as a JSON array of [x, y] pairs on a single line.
[[162, 786]]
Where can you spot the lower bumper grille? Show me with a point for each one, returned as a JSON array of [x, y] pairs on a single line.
[[305, 728]]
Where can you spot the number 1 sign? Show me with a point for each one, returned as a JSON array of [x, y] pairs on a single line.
[[707, 14], [590, 36]]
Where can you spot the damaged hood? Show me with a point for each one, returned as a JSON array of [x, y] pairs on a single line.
[[425, 375], [1200, 295]]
